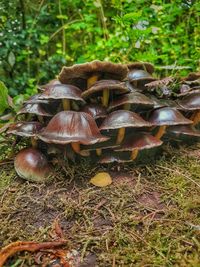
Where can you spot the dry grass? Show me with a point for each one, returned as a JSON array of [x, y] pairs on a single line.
[[149, 216]]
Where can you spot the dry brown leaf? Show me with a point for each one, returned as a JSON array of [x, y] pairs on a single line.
[[101, 179]]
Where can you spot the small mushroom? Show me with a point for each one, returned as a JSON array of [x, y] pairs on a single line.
[[121, 119], [138, 141], [97, 111], [148, 67], [32, 165], [106, 86], [26, 129], [191, 102], [72, 127], [112, 157], [65, 92], [167, 116], [188, 130], [135, 99]]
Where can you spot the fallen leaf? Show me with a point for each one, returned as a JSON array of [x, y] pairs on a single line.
[[101, 179]]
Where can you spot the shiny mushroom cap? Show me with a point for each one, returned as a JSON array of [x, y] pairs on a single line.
[[35, 100], [70, 126], [101, 68], [135, 98], [99, 86], [50, 84], [95, 110], [167, 116], [36, 109], [190, 102], [111, 143], [139, 141], [188, 130], [140, 75], [141, 66], [27, 129], [62, 91], [32, 165], [122, 119]]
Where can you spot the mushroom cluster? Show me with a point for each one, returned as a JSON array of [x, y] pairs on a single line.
[[106, 111]]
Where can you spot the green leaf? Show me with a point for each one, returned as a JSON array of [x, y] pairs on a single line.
[[3, 97], [11, 59]]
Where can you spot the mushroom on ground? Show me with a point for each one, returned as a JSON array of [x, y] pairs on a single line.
[[64, 92], [97, 111], [99, 86], [26, 129], [138, 141], [72, 127], [187, 130], [167, 116], [191, 102], [122, 119], [32, 165], [112, 157]]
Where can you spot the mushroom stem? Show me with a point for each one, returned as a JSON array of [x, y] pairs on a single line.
[[98, 151], [195, 117], [120, 135], [105, 97], [33, 142], [91, 80], [127, 106], [76, 147], [134, 154], [161, 132], [66, 104]]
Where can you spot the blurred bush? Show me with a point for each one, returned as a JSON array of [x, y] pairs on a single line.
[[38, 37]]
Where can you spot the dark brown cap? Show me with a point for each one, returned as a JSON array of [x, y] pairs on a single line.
[[32, 165], [188, 130], [168, 116], [192, 76], [95, 110], [111, 143], [36, 109], [122, 119], [135, 98], [190, 102], [35, 100], [24, 128], [86, 70], [70, 126], [62, 91], [139, 141], [50, 84], [141, 66], [140, 75], [99, 86]]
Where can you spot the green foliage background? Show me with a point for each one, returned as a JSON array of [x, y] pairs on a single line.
[[38, 37]]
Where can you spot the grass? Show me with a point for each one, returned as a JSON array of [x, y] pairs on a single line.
[[149, 216]]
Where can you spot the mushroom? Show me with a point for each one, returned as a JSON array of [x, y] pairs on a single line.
[[97, 111], [138, 141], [121, 119], [187, 130], [191, 102], [111, 157], [72, 127], [100, 86], [135, 99], [90, 72], [32, 165], [65, 92], [167, 116], [26, 129]]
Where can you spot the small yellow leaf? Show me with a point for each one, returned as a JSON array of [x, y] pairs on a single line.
[[101, 179]]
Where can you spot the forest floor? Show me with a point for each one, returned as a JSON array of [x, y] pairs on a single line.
[[148, 216]]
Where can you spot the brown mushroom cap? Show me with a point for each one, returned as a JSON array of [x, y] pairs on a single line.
[[140, 75], [168, 116], [139, 141], [111, 157], [70, 126], [95, 110], [24, 128], [141, 66], [36, 109], [32, 165], [184, 130], [86, 70], [35, 100], [159, 103], [99, 86], [62, 91], [50, 84], [190, 102], [111, 143], [122, 119], [192, 76], [135, 98]]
